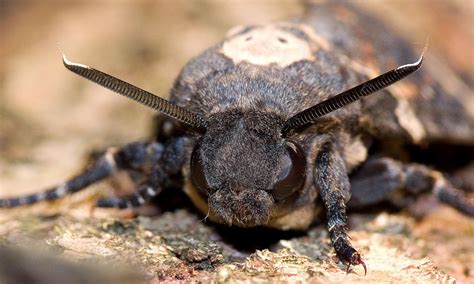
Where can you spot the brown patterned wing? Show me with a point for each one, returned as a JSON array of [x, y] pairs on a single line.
[[433, 105]]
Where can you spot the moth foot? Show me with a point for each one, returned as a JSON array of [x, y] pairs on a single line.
[[356, 259]]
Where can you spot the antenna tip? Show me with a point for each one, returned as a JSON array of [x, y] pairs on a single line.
[[418, 63], [427, 42], [65, 60], [69, 63]]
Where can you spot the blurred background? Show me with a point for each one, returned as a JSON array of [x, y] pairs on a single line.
[[50, 119]]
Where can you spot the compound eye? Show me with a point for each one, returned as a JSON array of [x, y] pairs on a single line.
[[197, 173], [293, 173]]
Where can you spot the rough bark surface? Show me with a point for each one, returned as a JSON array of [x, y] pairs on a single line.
[[50, 119], [179, 246]]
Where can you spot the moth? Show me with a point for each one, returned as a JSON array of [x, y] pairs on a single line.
[[275, 121]]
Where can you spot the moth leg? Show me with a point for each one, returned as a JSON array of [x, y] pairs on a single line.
[[136, 177], [146, 191], [144, 194], [333, 182], [167, 163], [130, 156], [385, 179]]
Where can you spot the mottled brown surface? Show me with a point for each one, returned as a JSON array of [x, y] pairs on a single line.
[[50, 119], [178, 245]]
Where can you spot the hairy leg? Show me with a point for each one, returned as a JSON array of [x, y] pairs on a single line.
[[333, 182], [145, 192], [168, 162], [134, 177], [385, 179], [131, 156]]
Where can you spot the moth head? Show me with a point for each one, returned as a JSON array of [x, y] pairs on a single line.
[[245, 168], [248, 165], [245, 161]]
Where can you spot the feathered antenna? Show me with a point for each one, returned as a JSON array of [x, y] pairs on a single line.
[[148, 99], [310, 115]]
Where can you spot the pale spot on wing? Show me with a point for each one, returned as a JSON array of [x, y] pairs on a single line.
[[406, 116], [404, 112], [266, 45], [408, 120], [355, 153]]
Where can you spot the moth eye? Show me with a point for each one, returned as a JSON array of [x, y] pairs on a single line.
[[292, 175], [197, 173]]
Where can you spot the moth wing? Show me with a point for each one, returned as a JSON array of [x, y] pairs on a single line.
[[432, 105]]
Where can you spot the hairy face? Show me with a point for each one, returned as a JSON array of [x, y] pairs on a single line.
[[245, 168]]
